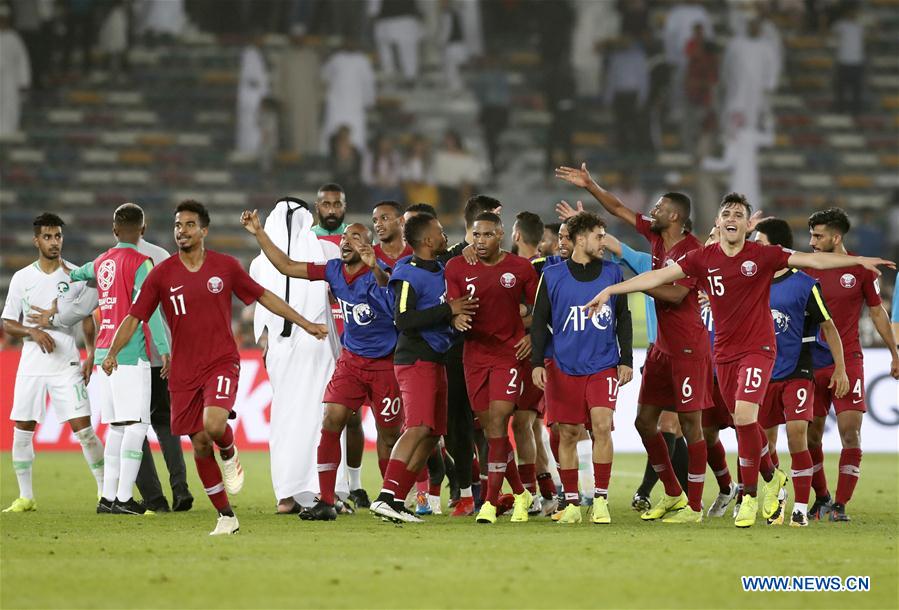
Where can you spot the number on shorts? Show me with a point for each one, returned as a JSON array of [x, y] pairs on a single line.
[[753, 377], [613, 387], [686, 389], [857, 388], [801, 396], [178, 300], [80, 392], [224, 386], [391, 407], [514, 382], [716, 285]]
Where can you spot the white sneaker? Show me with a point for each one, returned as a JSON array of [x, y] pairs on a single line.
[[232, 473], [550, 507], [225, 526], [434, 503], [719, 506], [536, 506]]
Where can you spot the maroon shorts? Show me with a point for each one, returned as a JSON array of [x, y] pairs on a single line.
[[531, 398], [358, 380], [573, 396], [676, 384], [853, 401], [500, 381], [220, 390], [787, 400], [717, 416], [423, 387], [745, 379]]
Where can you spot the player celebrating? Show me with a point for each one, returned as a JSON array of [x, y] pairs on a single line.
[[495, 343], [423, 318], [736, 275], [364, 370], [49, 363], [195, 289], [798, 309], [677, 374], [387, 219], [593, 357], [119, 273], [844, 290]]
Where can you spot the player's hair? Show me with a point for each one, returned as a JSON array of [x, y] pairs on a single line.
[[128, 216], [688, 225], [583, 222], [190, 205], [415, 228], [422, 208], [330, 187], [832, 218], [530, 227], [681, 202], [47, 219], [390, 204], [732, 199], [477, 204], [553, 227], [777, 231], [489, 217]]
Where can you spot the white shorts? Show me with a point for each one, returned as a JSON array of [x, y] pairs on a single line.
[[124, 395], [68, 396]]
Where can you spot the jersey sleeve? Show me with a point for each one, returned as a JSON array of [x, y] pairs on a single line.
[[642, 225], [83, 273], [639, 262], [871, 289], [693, 264], [244, 287], [530, 283], [776, 257], [317, 271], [12, 308], [148, 298], [816, 309]]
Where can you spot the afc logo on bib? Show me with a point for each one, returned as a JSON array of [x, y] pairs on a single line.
[[106, 274]]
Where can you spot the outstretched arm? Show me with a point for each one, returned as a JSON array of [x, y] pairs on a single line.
[[279, 307], [582, 178], [283, 263], [640, 283], [832, 260]]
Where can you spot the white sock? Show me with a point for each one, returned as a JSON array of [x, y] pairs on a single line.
[[22, 459], [802, 508], [585, 465], [355, 475], [132, 452], [465, 492], [551, 466], [111, 465], [92, 449]]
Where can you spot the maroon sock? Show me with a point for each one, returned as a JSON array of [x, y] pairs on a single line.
[[496, 468], [512, 474], [226, 443], [434, 490], [657, 450], [696, 453], [569, 485], [717, 459], [601, 475], [407, 480], [766, 465], [850, 460], [328, 461], [749, 452], [819, 479], [528, 473], [393, 476], [547, 487], [554, 439], [423, 475], [382, 465], [211, 477], [802, 476]]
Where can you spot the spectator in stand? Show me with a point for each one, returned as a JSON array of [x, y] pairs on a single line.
[[491, 85], [455, 50], [32, 19], [161, 20], [270, 132], [748, 77], [702, 77], [397, 26], [849, 78], [381, 170], [113, 42], [596, 24], [416, 171], [626, 91], [297, 86], [252, 88], [80, 32], [678, 30], [345, 163], [456, 172], [15, 74], [559, 93], [350, 91]]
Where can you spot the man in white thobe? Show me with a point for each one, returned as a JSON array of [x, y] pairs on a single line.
[[350, 82], [252, 87], [596, 24], [741, 149], [748, 76], [299, 366], [15, 75]]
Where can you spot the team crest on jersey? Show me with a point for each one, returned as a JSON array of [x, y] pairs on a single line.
[[781, 321], [62, 287], [749, 268], [507, 280], [215, 284], [106, 274], [847, 280]]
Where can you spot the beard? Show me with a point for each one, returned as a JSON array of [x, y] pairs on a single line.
[[331, 222]]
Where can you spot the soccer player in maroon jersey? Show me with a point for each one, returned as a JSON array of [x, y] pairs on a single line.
[[194, 289], [495, 345], [677, 374], [388, 220], [845, 291], [736, 274]]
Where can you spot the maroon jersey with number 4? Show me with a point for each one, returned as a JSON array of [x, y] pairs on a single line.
[[846, 291], [681, 331], [739, 289], [197, 306], [501, 288]]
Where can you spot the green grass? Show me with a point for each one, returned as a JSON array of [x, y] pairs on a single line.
[[66, 556]]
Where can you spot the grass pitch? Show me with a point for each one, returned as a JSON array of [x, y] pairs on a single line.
[[66, 556]]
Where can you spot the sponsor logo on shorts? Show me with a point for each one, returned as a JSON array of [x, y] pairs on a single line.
[[106, 274], [507, 280], [749, 268], [798, 411], [215, 284], [847, 280]]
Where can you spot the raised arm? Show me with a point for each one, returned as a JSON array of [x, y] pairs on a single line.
[[582, 178], [640, 283], [279, 307], [833, 260], [283, 263]]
